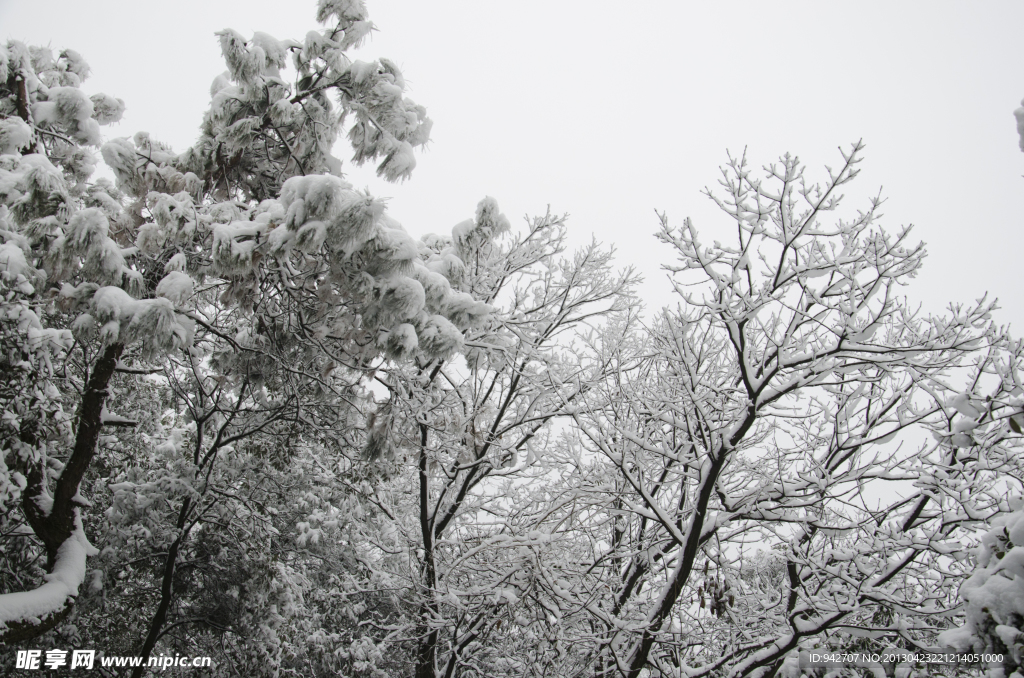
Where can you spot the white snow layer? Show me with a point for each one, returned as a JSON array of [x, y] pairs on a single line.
[[13, 262], [996, 589], [15, 134], [175, 286], [61, 584], [1019, 114]]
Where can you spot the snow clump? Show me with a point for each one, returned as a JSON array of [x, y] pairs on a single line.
[[995, 594]]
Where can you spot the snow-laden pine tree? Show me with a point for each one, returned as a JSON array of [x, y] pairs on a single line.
[[235, 293]]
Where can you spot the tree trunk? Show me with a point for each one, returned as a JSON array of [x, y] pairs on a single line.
[[166, 591], [56, 525], [426, 654], [682, 573]]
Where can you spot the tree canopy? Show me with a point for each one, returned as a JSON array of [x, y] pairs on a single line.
[[247, 415]]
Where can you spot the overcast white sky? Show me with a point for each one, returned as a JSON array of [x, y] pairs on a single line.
[[610, 111]]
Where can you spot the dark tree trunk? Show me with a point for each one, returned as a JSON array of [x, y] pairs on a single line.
[[54, 527], [166, 591]]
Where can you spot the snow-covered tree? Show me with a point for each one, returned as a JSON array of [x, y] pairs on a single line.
[[995, 607], [256, 285], [772, 418], [54, 234], [994, 619], [476, 431], [303, 442]]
